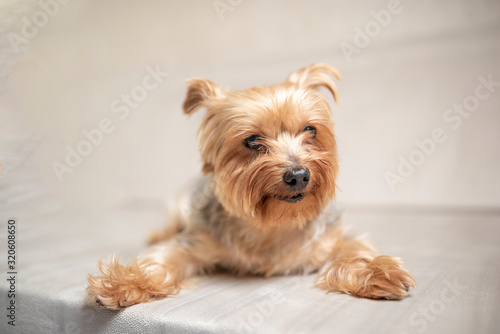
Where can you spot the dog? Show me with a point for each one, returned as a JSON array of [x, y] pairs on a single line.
[[264, 205]]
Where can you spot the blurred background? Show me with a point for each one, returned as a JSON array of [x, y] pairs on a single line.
[[418, 120]]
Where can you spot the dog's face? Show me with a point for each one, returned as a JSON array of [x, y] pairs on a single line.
[[270, 150]]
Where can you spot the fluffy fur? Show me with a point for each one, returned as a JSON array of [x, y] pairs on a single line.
[[242, 216]]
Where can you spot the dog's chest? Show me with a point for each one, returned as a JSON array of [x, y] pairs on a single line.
[[248, 249]]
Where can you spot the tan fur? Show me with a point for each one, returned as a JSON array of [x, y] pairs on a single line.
[[239, 216]]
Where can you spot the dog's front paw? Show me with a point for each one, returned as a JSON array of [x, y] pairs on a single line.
[[120, 286], [381, 278], [385, 278], [114, 295]]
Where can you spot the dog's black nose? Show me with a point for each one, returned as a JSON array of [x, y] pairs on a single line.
[[297, 178]]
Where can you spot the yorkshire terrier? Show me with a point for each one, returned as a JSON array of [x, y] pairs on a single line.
[[270, 163]]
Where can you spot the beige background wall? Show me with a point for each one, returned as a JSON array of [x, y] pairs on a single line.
[[66, 77]]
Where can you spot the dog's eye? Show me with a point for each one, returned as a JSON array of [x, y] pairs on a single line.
[[311, 129], [252, 142]]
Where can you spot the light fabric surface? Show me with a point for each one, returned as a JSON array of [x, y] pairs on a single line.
[[455, 258]]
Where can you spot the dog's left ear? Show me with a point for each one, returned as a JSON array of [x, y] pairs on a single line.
[[200, 91], [315, 76]]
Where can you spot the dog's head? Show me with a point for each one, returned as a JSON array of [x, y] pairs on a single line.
[[270, 150]]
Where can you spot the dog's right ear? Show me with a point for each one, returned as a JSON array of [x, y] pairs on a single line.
[[315, 76], [200, 91]]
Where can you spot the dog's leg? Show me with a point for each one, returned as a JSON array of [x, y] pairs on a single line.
[[175, 226], [157, 273], [357, 269]]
